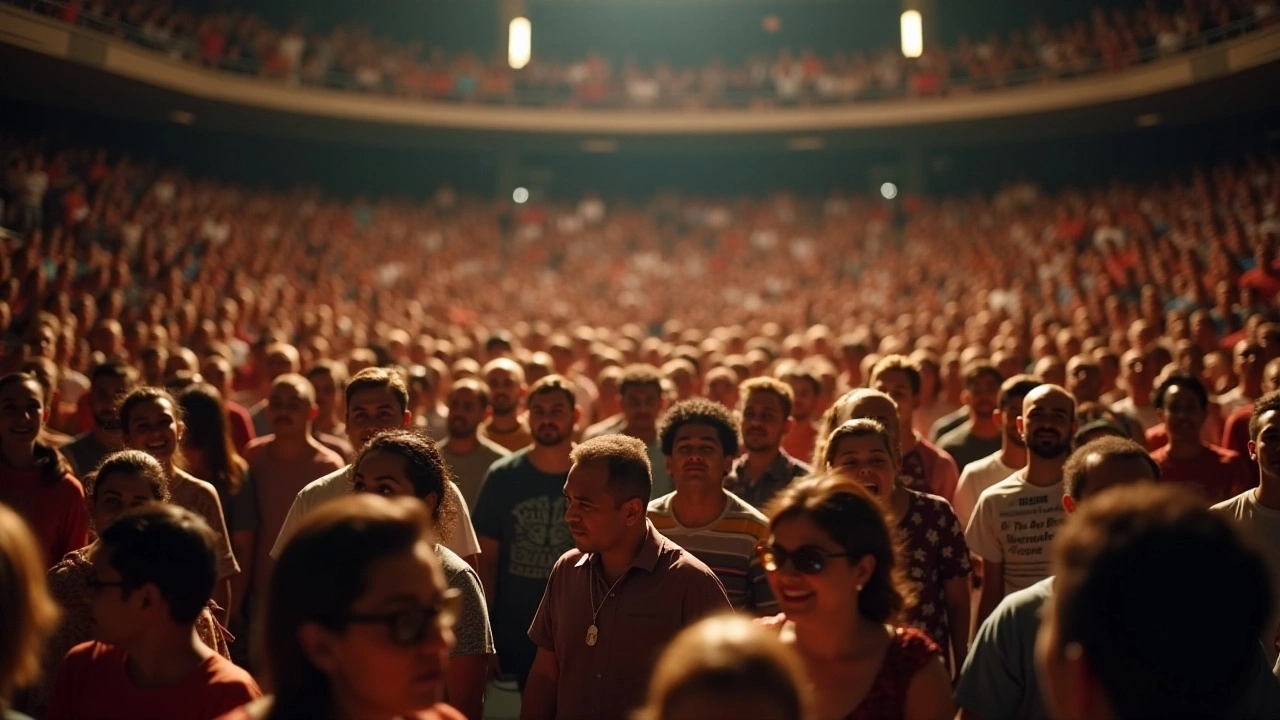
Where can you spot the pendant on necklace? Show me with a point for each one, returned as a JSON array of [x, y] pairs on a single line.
[[592, 634]]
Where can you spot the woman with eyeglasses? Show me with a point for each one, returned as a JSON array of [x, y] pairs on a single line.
[[359, 621], [151, 421], [833, 564], [728, 667], [934, 552], [406, 463], [124, 480]]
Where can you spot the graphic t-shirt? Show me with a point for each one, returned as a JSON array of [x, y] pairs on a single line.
[[1014, 524], [523, 509]]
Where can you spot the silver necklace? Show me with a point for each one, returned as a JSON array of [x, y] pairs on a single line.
[[593, 633]]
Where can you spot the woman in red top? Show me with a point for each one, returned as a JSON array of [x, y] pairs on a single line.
[[35, 480], [359, 619], [833, 566]]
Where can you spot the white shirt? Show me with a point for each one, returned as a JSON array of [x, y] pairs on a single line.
[[1014, 525], [338, 484], [977, 477], [1263, 524], [1145, 415]]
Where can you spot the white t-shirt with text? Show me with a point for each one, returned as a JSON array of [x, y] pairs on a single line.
[[1014, 524]]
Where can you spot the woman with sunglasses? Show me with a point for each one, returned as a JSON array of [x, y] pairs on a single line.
[[151, 421], [359, 621], [406, 463], [833, 565], [935, 554], [123, 481], [34, 478]]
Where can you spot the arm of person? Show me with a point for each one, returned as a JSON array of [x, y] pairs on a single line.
[[992, 589], [956, 593], [466, 681], [929, 694], [539, 701], [488, 570]]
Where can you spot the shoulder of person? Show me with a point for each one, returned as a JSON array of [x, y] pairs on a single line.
[[743, 510], [1023, 604], [509, 463], [661, 504], [491, 446], [935, 502], [451, 562]]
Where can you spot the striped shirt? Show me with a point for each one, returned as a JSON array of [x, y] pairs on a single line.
[[728, 547]]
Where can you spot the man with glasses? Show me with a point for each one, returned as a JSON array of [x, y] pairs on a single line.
[[153, 573], [615, 600]]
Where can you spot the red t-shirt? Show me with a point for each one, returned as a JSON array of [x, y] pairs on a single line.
[[439, 711], [92, 684], [55, 511], [1216, 473]]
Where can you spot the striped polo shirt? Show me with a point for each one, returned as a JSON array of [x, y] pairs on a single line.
[[728, 547]]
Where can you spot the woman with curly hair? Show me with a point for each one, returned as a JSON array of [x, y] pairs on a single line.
[[406, 463]]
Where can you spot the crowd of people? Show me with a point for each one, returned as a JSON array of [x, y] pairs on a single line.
[[354, 58], [608, 437]]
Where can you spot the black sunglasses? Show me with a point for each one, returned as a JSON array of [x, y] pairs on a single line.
[[410, 626], [806, 559]]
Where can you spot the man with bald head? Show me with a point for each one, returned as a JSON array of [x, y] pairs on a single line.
[[1139, 381], [1015, 520], [279, 358], [283, 462], [506, 382]]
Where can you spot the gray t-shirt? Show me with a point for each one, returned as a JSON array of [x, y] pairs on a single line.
[[966, 447], [999, 682], [85, 453], [472, 631], [469, 469]]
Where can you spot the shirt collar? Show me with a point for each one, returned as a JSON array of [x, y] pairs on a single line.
[[646, 559]]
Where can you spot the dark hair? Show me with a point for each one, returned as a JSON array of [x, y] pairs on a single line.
[[425, 469], [640, 375], [627, 462], [783, 391], [322, 571], [845, 510], [553, 383], [28, 615], [1016, 386], [802, 371], [209, 430], [1127, 546], [134, 462], [862, 427], [50, 463], [1264, 405], [1186, 382], [977, 369], [115, 368], [702, 412], [902, 364], [377, 378], [144, 394], [476, 386], [332, 368], [169, 547], [1076, 470]]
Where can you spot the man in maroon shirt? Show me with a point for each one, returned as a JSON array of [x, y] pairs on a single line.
[[1216, 473]]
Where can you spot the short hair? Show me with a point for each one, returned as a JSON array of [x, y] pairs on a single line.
[[476, 386], [332, 368], [1017, 386], [28, 615], [378, 378], [1264, 405], [783, 391], [626, 461], [117, 369], [978, 368], [169, 547], [1129, 545], [802, 372], [505, 364], [1075, 472], [846, 511], [426, 471], [1186, 382], [900, 363], [862, 427], [727, 655], [702, 412], [640, 375], [133, 462], [554, 383]]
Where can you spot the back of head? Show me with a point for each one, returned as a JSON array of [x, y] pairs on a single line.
[[1122, 567], [169, 547], [727, 659], [27, 614], [321, 573]]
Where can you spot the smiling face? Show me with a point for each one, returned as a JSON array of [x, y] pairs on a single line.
[[153, 428], [1048, 421], [869, 461], [813, 596], [22, 413], [367, 669], [371, 411], [1183, 413], [116, 493]]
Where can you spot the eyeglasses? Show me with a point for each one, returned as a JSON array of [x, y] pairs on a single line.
[[410, 626], [806, 559]]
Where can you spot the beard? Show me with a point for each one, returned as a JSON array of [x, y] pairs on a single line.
[[548, 436], [758, 444], [107, 422], [1015, 439], [1050, 449], [503, 406], [461, 430]]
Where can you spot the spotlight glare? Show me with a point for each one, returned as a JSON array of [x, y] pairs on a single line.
[[519, 42], [912, 34], [521, 195], [889, 191]]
